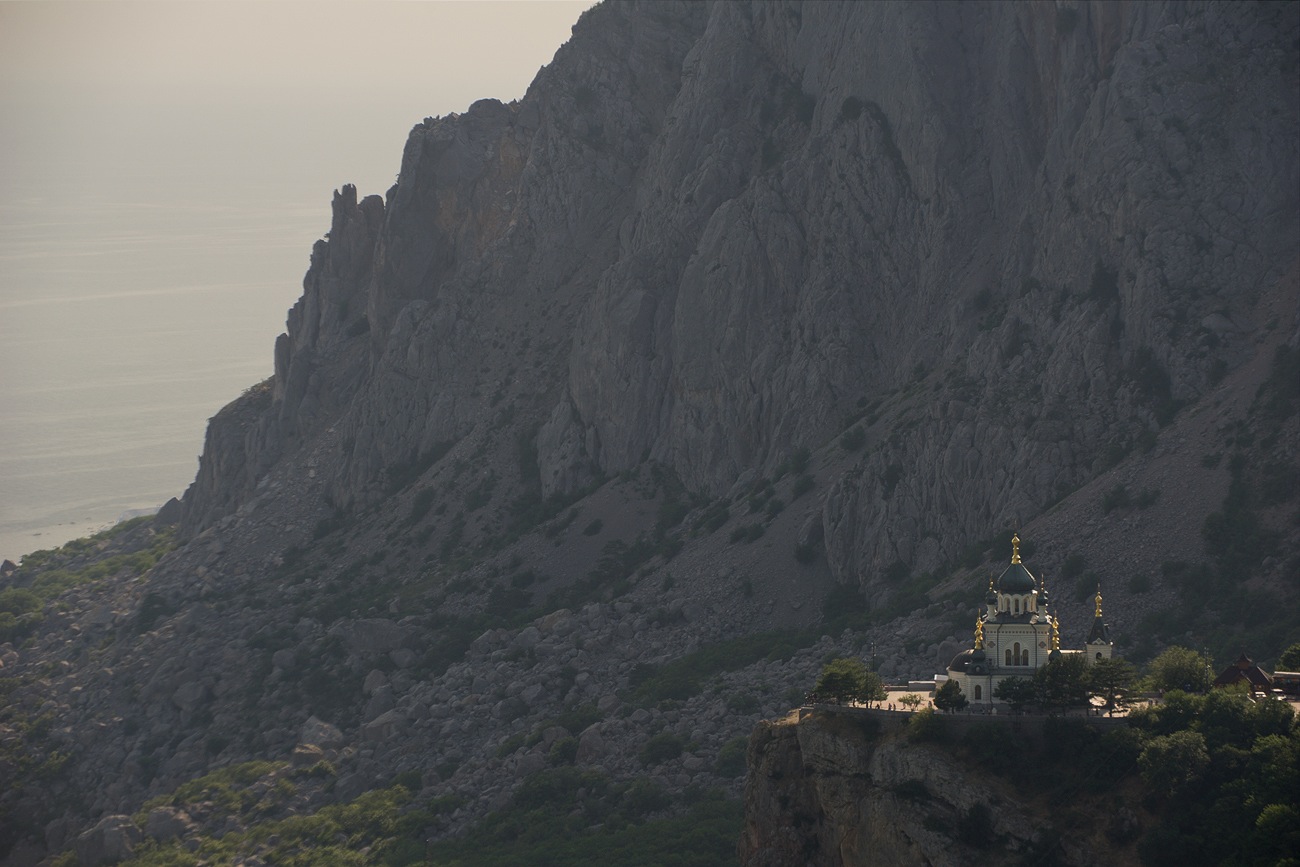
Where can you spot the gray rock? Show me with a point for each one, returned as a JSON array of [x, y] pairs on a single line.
[[527, 638], [306, 755], [383, 727], [284, 659], [528, 764], [374, 680], [167, 823], [111, 839], [403, 657], [188, 696], [322, 734], [592, 747]]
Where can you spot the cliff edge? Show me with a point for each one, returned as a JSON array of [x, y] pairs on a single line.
[[856, 788]]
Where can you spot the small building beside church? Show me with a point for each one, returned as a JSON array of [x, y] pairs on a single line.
[[1016, 634], [1244, 670]]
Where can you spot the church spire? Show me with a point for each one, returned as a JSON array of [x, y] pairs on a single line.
[[1099, 634], [1015, 547], [979, 634]]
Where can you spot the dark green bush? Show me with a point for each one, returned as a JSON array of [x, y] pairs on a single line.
[[661, 748], [731, 758]]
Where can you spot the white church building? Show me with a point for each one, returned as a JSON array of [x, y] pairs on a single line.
[[1017, 634]]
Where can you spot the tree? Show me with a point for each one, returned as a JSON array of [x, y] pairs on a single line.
[[1179, 668], [873, 689], [1170, 762], [843, 679], [1290, 658], [1063, 683], [1110, 680], [1018, 692], [910, 700], [949, 696]]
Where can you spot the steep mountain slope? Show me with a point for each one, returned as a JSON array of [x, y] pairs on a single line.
[[741, 306], [1060, 224]]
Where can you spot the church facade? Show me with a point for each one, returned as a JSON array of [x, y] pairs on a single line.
[[1016, 634]]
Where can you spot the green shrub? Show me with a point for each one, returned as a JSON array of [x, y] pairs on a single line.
[[642, 798], [576, 720], [18, 601], [563, 752], [742, 702], [661, 748], [925, 726], [731, 758]]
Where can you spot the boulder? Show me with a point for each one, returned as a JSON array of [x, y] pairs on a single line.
[[529, 764], [305, 755], [318, 732], [374, 680], [112, 839], [190, 695], [167, 823], [284, 659], [383, 727], [403, 657], [592, 747]]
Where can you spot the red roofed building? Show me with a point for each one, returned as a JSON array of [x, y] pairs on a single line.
[[1245, 669]]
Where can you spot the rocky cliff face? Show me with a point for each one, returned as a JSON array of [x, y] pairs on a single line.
[[1019, 237], [741, 305], [835, 789]]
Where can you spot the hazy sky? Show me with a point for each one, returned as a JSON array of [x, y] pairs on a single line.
[[90, 89]]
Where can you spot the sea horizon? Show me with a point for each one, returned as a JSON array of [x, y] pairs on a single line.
[[124, 327]]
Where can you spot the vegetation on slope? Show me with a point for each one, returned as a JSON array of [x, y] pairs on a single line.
[[562, 816], [130, 548], [1199, 779]]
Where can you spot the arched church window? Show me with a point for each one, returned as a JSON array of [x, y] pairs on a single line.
[[1099, 654], [1008, 657], [1015, 654], [1024, 656], [977, 692], [1015, 604]]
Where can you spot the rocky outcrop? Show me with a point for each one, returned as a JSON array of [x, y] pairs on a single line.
[[848, 789]]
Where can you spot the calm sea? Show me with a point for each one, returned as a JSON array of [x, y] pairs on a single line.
[[124, 326]]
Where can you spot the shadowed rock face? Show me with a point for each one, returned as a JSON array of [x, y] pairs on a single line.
[[1011, 240], [852, 791]]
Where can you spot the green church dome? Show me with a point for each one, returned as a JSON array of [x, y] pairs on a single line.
[[1016, 579]]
